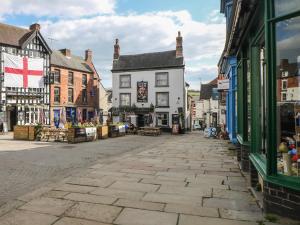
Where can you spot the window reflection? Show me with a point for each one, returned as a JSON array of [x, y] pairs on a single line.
[[283, 7], [288, 96]]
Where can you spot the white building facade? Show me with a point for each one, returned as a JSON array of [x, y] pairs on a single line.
[[151, 87]]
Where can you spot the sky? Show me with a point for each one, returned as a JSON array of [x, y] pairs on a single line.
[[141, 25]]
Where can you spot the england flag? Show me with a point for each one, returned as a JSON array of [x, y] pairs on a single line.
[[23, 72]]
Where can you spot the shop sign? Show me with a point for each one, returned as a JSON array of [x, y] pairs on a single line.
[[91, 131], [142, 91], [223, 84]]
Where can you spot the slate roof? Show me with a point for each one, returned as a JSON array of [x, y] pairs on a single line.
[[155, 60], [73, 62], [13, 36], [206, 89]]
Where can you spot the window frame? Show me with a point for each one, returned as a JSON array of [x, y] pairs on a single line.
[[57, 74], [84, 100], [271, 52], [84, 84], [71, 73], [120, 105], [120, 80], [55, 95], [168, 119], [160, 73], [156, 99], [69, 95]]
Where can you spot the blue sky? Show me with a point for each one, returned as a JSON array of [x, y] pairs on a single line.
[[141, 26]]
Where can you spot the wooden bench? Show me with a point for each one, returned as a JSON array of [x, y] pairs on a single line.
[[149, 131], [56, 134]]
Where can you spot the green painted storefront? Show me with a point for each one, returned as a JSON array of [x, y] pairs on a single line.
[[265, 38]]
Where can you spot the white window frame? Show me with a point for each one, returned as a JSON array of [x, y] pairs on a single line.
[[124, 94], [158, 114], [121, 82], [157, 81]]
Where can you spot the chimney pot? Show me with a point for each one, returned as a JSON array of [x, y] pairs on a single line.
[[88, 55], [35, 27], [66, 52], [179, 47], [117, 50]]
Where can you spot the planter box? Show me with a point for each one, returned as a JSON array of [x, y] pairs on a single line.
[[113, 131], [26, 133], [102, 132], [77, 135]]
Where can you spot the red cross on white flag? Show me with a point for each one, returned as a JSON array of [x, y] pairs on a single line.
[[23, 71]]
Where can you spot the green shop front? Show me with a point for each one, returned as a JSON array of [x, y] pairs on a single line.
[[265, 38]]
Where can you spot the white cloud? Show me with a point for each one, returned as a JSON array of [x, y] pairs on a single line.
[[140, 33], [56, 8]]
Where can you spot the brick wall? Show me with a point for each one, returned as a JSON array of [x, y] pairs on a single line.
[[245, 162], [281, 200], [77, 90]]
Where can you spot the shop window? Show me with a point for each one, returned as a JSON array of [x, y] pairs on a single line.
[[161, 79], [288, 94], [283, 7], [162, 119], [162, 99], [125, 99], [263, 94], [248, 77], [125, 81]]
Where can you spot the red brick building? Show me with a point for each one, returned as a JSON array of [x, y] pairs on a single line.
[[74, 91]]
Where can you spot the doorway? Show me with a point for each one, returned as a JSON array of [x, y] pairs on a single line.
[[13, 118]]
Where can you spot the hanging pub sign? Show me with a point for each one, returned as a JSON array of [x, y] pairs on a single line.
[[223, 84], [142, 91]]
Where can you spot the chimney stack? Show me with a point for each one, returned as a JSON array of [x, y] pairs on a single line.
[[35, 27], [88, 55], [179, 48], [117, 50], [66, 52]]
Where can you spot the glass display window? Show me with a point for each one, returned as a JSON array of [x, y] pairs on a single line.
[[288, 95]]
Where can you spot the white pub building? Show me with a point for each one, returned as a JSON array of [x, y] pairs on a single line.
[[149, 89], [24, 69]]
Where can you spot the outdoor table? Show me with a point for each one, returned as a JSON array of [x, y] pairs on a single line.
[[152, 131]]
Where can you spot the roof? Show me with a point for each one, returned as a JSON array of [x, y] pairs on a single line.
[[19, 37], [155, 60], [11, 35], [73, 62], [207, 89]]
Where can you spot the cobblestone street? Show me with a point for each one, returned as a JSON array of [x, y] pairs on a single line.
[[169, 180]]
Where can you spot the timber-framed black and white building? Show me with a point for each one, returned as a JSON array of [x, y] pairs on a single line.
[[24, 76]]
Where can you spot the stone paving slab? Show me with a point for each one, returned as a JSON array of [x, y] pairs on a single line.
[[90, 198], [186, 191], [50, 206], [75, 221], [192, 210], [185, 180], [145, 217], [122, 185], [197, 220], [172, 198], [140, 204], [21, 217], [119, 193], [97, 212]]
